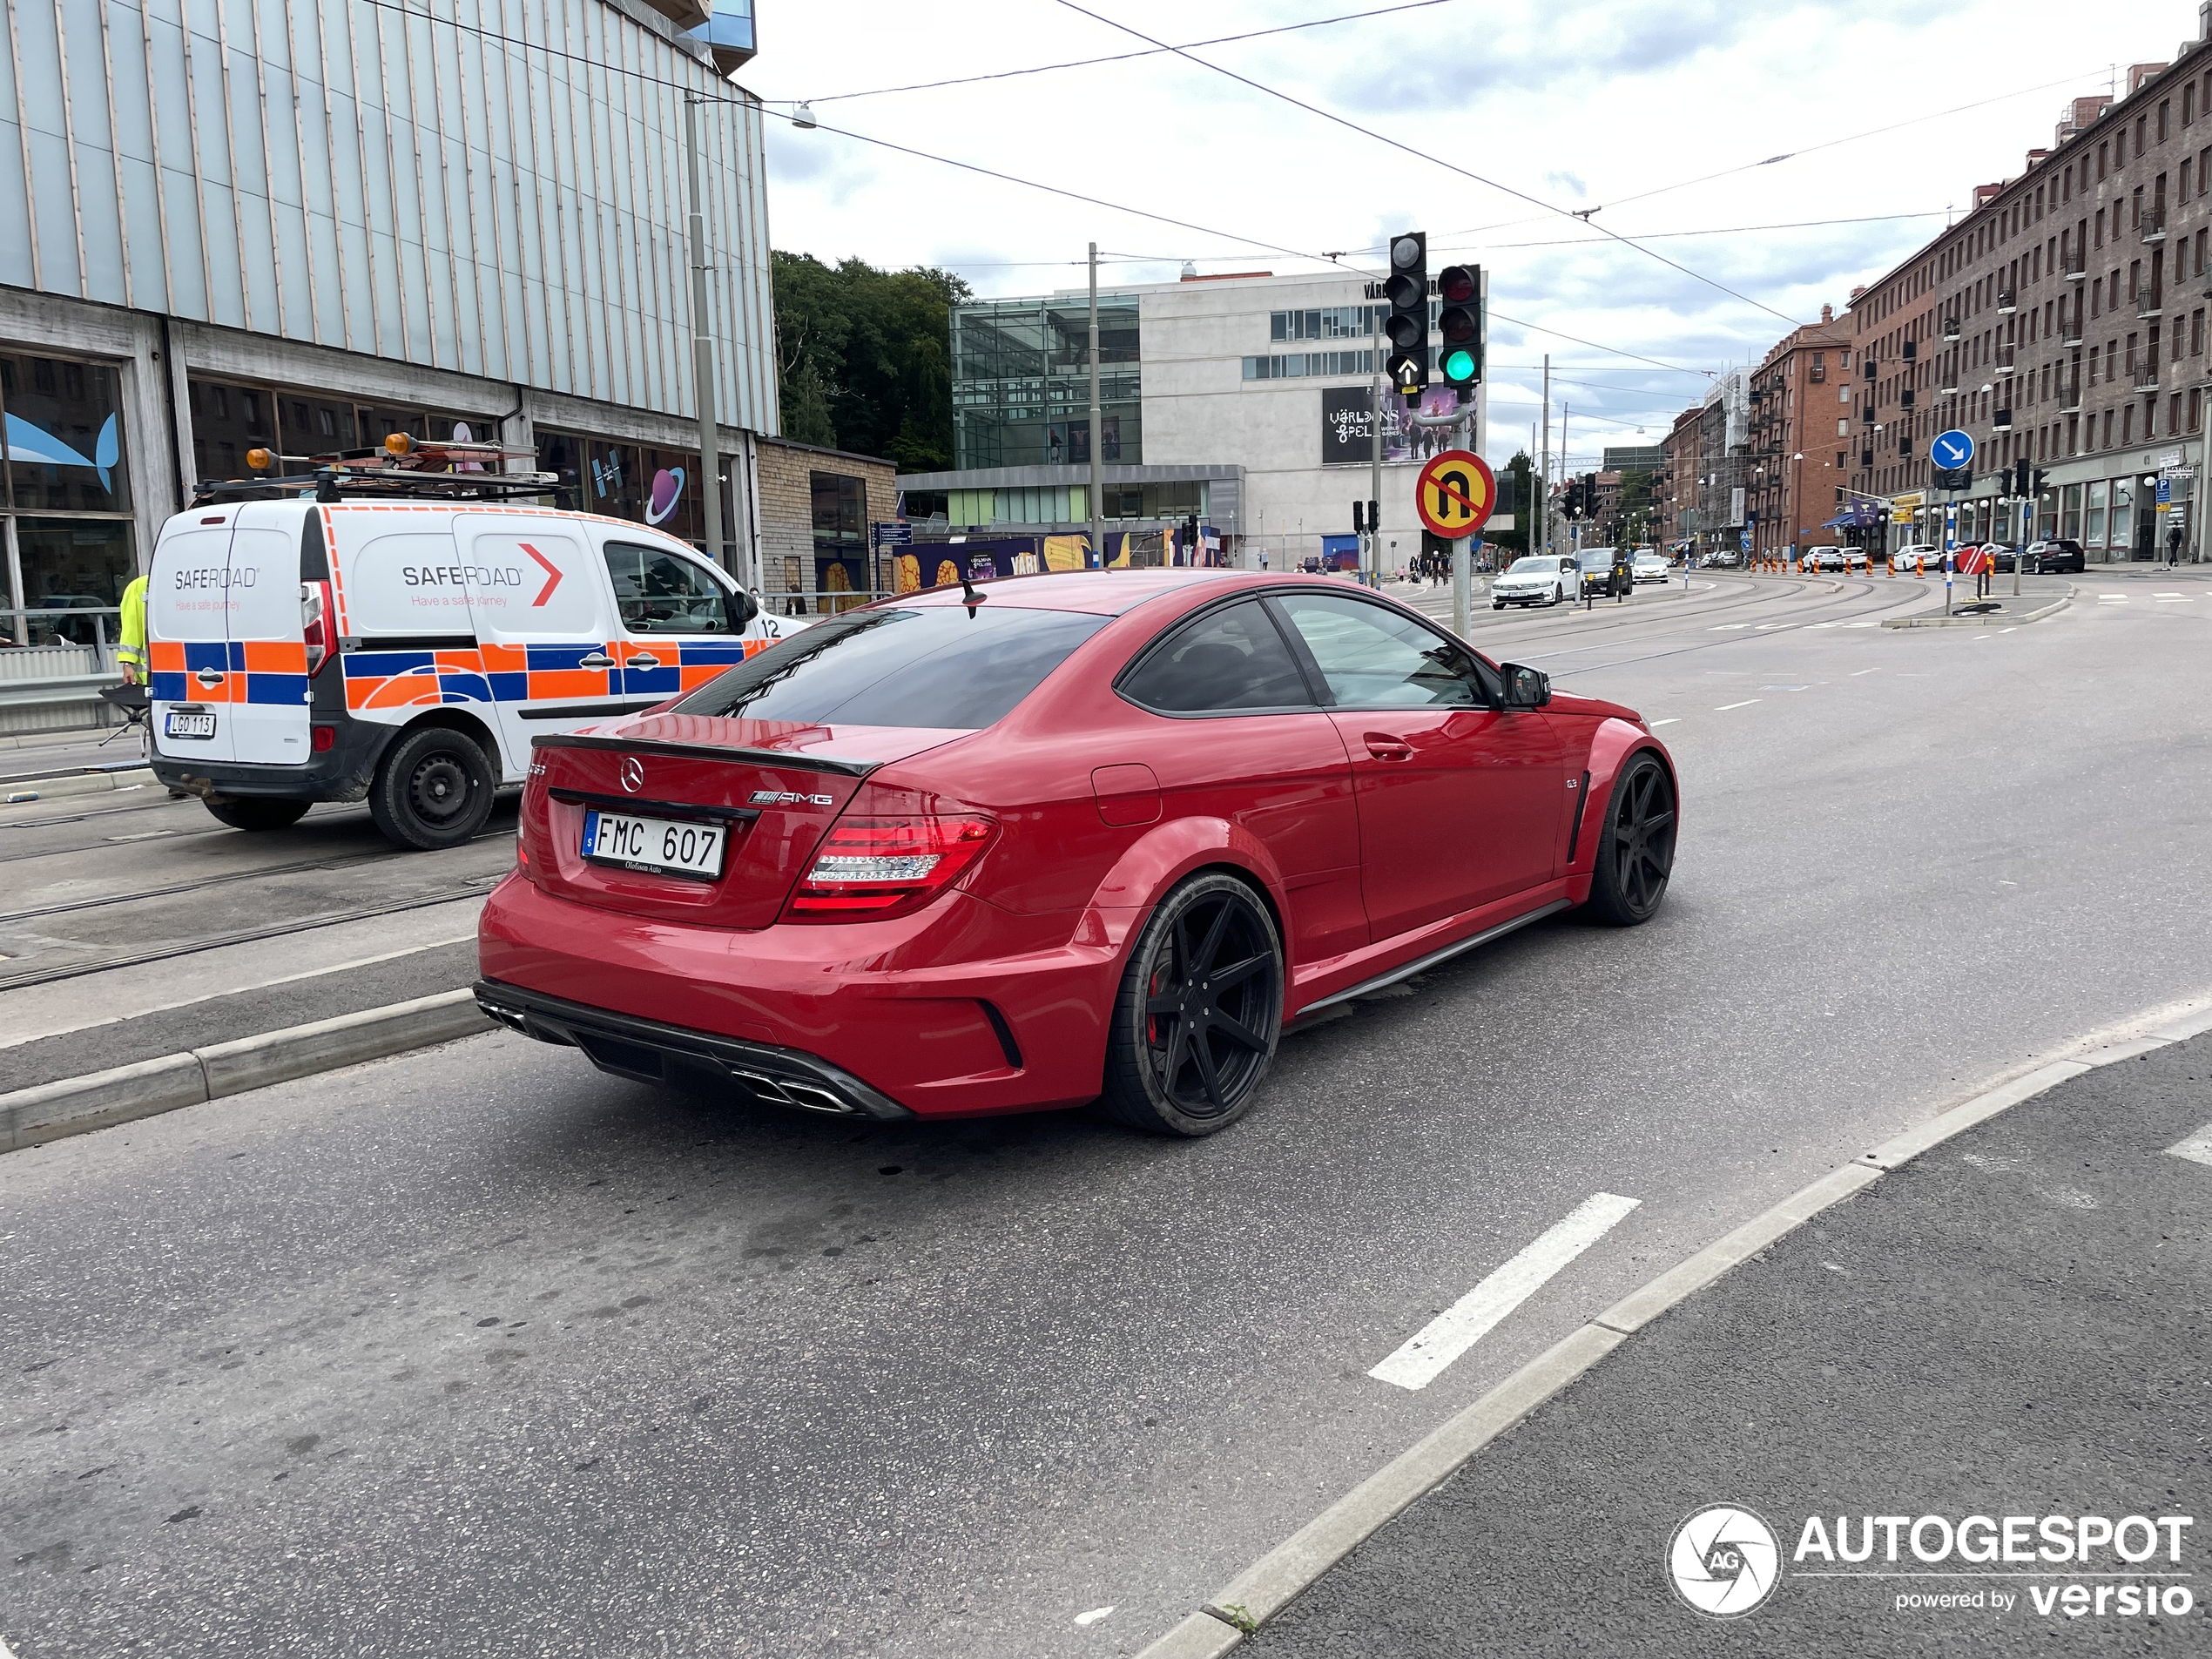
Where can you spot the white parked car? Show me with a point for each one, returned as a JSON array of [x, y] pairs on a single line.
[[1649, 566], [1909, 557], [1538, 579]]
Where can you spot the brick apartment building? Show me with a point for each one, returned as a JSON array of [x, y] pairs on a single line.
[[1801, 409], [2062, 319], [1674, 491]]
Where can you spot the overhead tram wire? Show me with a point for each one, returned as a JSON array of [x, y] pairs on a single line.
[[1369, 132], [965, 167], [1119, 58]]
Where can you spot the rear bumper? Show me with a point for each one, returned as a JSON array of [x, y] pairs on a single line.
[[961, 1011], [650, 1051], [341, 772]]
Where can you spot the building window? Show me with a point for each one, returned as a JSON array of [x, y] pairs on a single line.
[[65, 458]]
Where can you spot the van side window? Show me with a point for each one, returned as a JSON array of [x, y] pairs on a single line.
[[658, 593]]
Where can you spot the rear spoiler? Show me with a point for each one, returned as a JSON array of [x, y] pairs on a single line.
[[710, 751]]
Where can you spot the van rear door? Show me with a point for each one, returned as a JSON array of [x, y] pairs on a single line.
[[268, 648], [188, 637], [545, 620]]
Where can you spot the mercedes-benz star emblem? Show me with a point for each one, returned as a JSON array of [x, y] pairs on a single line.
[[633, 773]]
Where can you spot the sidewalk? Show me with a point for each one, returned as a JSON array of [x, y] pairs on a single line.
[[2014, 1324]]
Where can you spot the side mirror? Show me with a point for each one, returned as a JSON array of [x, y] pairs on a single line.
[[742, 609], [1525, 688]]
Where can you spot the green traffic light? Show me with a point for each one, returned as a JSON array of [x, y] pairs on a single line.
[[1459, 366]]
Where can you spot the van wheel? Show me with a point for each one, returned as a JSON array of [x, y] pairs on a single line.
[[432, 789], [258, 812]]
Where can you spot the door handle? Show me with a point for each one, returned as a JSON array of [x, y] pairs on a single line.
[[1382, 746], [210, 676], [598, 659], [643, 659]]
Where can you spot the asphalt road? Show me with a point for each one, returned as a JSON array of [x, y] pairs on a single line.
[[2012, 1325], [479, 1351]]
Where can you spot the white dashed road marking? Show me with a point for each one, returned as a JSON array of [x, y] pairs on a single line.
[[1855, 672], [1672, 719], [1093, 1616], [1745, 704], [1452, 1332], [2112, 598], [2197, 1147]]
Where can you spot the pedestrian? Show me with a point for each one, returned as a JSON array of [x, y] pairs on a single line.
[[130, 651], [2173, 547]]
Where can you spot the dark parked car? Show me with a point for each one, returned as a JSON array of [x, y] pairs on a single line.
[[2002, 555], [1605, 573], [2061, 555]]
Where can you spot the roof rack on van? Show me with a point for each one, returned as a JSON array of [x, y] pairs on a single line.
[[401, 468]]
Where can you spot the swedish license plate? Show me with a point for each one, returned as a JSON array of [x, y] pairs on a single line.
[[189, 723], [661, 845]]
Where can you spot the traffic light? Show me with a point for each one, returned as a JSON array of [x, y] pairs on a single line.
[[1406, 288], [1358, 518], [1459, 324], [2021, 472], [2039, 481], [1571, 504], [1955, 478]]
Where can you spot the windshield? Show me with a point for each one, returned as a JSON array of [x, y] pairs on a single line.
[[935, 667], [1597, 558], [1529, 566]]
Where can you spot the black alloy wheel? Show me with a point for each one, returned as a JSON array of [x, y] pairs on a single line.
[[1635, 851], [1199, 1013], [432, 789]]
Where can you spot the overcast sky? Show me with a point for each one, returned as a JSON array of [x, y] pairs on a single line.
[[1577, 103]]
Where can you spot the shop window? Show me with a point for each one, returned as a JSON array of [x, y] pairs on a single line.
[[841, 509], [64, 434], [73, 564]]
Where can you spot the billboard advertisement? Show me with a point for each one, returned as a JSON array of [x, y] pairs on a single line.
[[1347, 432]]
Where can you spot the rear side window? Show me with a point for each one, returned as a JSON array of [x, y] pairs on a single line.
[[1232, 660], [935, 667]]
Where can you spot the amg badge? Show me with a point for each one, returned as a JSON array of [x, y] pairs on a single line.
[[784, 798]]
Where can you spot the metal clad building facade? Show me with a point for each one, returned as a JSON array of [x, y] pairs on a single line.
[[472, 207]]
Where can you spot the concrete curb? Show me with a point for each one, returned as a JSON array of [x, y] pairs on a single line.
[[79, 1105], [18, 792], [1272, 1582], [2021, 620]]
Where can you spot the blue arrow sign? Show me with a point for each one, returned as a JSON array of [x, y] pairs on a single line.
[[1952, 450]]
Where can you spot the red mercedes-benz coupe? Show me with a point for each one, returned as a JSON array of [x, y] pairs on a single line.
[[1057, 838]]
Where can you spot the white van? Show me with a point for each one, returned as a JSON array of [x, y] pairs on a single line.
[[406, 651]]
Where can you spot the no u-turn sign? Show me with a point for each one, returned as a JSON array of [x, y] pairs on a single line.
[[1456, 493]]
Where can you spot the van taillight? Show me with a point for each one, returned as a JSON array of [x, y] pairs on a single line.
[[867, 869], [316, 611]]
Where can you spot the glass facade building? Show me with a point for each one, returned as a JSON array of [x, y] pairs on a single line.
[[1022, 383]]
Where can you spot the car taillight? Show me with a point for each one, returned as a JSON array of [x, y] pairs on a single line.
[[315, 612], [323, 739], [869, 868]]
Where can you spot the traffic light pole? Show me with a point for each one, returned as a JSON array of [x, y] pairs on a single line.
[[1371, 564], [1097, 432]]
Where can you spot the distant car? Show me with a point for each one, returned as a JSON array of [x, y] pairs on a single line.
[[1649, 566], [1910, 556], [1829, 557], [2061, 555], [2003, 555], [1598, 566], [1538, 579], [1724, 558]]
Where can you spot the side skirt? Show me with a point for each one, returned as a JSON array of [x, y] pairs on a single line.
[[1420, 964]]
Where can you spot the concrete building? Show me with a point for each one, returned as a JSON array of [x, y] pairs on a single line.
[[1801, 408], [303, 227], [1675, 488], [2062, 321], [1244, 398]]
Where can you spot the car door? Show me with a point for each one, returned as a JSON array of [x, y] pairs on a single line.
[[268, 647], [188, 639], [1461, 802], [678, 620], [544, 620], [1242, 740]]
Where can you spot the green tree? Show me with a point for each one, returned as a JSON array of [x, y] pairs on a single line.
[[1513, 543], [862, 357]]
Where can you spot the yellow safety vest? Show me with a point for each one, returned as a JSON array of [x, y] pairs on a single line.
[[132, 646]]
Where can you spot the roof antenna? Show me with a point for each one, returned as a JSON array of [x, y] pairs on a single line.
[[970, 594]]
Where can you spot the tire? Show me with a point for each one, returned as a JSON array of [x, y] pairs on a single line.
[[1635, 847], [432, 789], [1157, 1079], [258, 812]]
